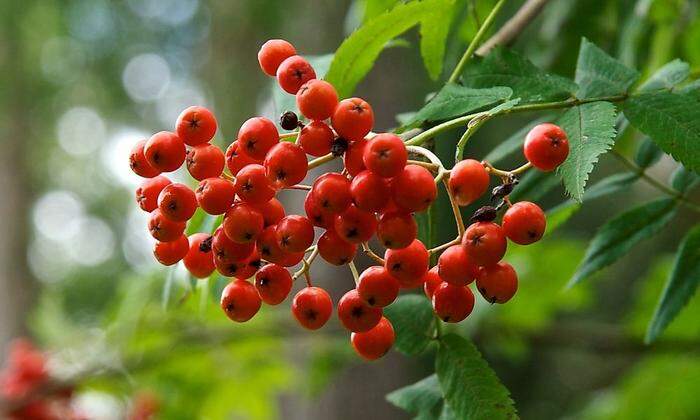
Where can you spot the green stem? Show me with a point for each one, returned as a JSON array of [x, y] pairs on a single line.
[[438, 327]]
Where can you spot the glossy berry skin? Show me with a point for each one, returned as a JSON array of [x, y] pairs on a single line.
[[177, 202], [289, 259], [452, 303], [353, 159], [169, 253], [226, 250], [196, 125], [240, 301], [293, 72], [205, 161], [294, 233], [377, 287], [485, 243], [375, 343], [414, 189], [352, 119], [164, 229], [243, 223], [199, 260], [385, 155], [524, 223], [455, 267], [335, 250], [235, 161], [273, 283], [409, 264], [370, 192], [147, 194], [243, 269], [355, 314], [272, 53], [215, 195], [269, 248], [285, 164], [546, 147], [355, 225], [253, 186], [272, 211], [312, 307], [138, 162], [468, 181], [165, 151], [432, 281], [396, 230], [316, 138], [315, 214], [317, 99], [497, 283], [332, 192], [256, 137]]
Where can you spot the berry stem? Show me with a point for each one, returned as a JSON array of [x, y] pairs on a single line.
[[355, 273], [306, 265], [434, 160], [321, 160], [368, 251], [226, 176], [455, 208], [303, 187], [288, 135], [506, 174], [456, 241]]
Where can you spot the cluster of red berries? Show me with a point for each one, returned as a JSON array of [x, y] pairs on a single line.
[[377, 193]]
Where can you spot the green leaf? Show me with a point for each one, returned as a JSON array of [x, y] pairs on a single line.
[[412, 318], [470, 387], [453, 100], [648, 153], [374, 8], [667, 77], [534, 185], [672, 121], [434, 30], [681, 285], [683, 180], [598, 74], [503, 67], [616, 237], [421, 397], [591, 131]]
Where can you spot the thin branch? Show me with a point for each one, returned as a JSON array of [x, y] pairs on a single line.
[[368, 251], [514, 26]]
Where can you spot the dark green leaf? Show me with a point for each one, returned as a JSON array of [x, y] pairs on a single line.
[[453, 100], [667, 76], [421, 397], [534, 185], [513, 143], [684, 180], [648, 153], [598, 74], [412, 318]]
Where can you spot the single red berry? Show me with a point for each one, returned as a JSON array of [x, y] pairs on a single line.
[[293, 72], [353, 159], [199, 260], [286, 164], [317, 99], [355, 225], [236, 161], [215, 195], [353, 119], [226, 250], [316, 138], [397, 230], [315, 214], [272, 53], [312, 307], [355, 314], [177, 202], [546, 147], [138, 162], [375, 343], [205, 161], [377, 287], [164, 229], [256, 137], [147, 193], [272, 211], [385, 155], [524, 223], [273, 283], [294, 233], [335, 250], [409, 264], [165, 151], [169, 253], [452, 303], [468, 181], [455, 266], [497, 283], [432, 281], [243, 269], [240, 301], [332, 192], [253, 186], [270, 250], [243, 223], [414, 189], [196, 125], [370, 192], [485, 243]]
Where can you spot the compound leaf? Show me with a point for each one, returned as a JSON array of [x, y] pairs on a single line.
[[412, 318], [598, 74]]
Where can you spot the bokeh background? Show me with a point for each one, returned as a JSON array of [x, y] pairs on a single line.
[[83, 80]]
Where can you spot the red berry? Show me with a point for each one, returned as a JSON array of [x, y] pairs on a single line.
[[164, 229], [377, 287], [273, 283], [253, 186], [235, 161], [452, 303], [332, 192], [272, 211], [375, 343], [524, 223], [317, 99], [409, 264], [312, 307], [165, 151], [243, 269], [353, 159], [355, 225], [240, 301], [316, 138], [485, 243], [205, 161], [272, 53], [413, 189], [397, 230], [335, 250], [497, 283], [286, 165], [215, 195], [270, 250], [243, 223], [199, 260], [432, 281], [385, 155], [293, 72], [370, 192], [138, 162], [169, 253], [289, 259], [177, 202], [196, 125], [147, 193], [468, 181], [546, 147], [353, 119], [226, 250], [256, 137], [355, 314], [313, 212], [294, 233], [455, 267]]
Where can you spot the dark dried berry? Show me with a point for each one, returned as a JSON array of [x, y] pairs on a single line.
[[289, 120], [339, 146], [484, 214], [504, 190]]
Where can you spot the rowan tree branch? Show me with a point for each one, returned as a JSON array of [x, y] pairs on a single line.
[[513, 27]]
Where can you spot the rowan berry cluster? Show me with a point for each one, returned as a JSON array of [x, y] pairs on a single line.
[[377, 194]]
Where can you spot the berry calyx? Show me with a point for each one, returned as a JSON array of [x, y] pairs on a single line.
[[335, 250], [294, 233], [138, 162], [312, 307], [199, 261], [293, 72], [385, 155], [455, 267], [485, 243], [452, 303], [164, 229], [354, 225], [169, 253], [240, 301], [375, 343], [396, 230], [256, 137], [196, 125], [497, 283], [243, 269], [353, 119], [205, 161], [236, 161], [377, 287], [332, 192], [272, 53], [408, 265], [165, 151], [468, 181], [524, 223], [316, 138], [273, 284], [243, 223], [147, 193], [317, 99], [226, 250], [285, 165], [546, 146], [355, 314], [413, 190], [313, 212], [177, 202], [253, 186]]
